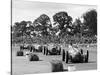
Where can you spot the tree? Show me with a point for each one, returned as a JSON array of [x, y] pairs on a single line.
[[22, 30], [42, 25], [90, 21], [77, 25], [64, 21]]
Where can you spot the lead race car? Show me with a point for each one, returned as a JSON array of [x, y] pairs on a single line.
[[76, 55]]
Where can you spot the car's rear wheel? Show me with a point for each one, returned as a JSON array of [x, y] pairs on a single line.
[[63, 55], [87, 56], [44, 50], [47, 52], [60, 51], [81, 51], [67, 56]]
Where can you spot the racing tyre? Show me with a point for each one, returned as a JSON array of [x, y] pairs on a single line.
[[46, 52], [87, 56], [63, 55], [67, 56], [81, 51], [59, 51]]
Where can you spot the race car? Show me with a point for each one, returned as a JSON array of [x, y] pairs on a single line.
[[76, 56], [37, 48], [26, 47], [23, 47], [54, 50]]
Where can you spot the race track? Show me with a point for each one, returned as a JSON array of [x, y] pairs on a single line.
[[22, 65]]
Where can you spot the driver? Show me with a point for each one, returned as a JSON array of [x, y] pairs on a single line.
[[72, 50]]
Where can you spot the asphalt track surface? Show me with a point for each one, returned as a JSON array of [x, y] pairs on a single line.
[[21, 64]]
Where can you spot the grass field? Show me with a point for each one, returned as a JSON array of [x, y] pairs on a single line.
[[21, 65]]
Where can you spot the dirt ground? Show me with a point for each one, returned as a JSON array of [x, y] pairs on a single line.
[[21, 64]]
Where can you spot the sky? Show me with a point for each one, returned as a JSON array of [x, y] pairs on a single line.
[[30, 10]]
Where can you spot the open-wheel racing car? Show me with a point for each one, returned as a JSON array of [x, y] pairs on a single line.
[[53, 50], [36, 48], [77, 57], [23, 47]]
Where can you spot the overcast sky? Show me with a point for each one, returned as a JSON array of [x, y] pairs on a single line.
[[30, 10]]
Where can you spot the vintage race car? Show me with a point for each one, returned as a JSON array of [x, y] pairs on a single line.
[[24, 47], [31, 48], [37, 48], [54, 50], [76, 56]]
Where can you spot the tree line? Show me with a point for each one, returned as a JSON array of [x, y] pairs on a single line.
[[62, 30]]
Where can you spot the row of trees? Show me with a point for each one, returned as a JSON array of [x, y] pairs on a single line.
[[63, 28]]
